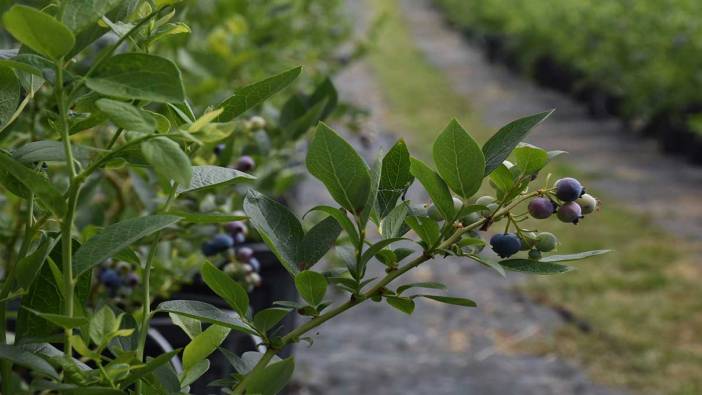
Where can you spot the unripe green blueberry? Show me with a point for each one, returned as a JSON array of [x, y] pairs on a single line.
[[471, 218], [257, 123], [569, 212], [545, 242], [527, 239], [587, 203], [534, 254], [485, 200]]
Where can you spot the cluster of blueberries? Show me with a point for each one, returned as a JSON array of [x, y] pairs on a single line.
[[118, 278], [245, 163], [239, 260], [574, 205]]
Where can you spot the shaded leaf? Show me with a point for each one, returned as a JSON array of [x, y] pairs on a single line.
[[226, 288], [534, 267]]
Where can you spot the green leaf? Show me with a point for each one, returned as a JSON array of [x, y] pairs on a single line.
[[252, 95], [81, 14], [9, 94], [498, 148], [266, 319], [449, 300], [272, 379], [102, 324], [50, 151], [573, 257], [393, 225], [226, 288], [207, 176], [117, 237], [534, 267], [426, 228], [374, 250], [459, 160], [395, 178], [126, 116], [191, 374], [33, 181], [190, 326], [312, 286], [203, 345], [340, 216], [139, 76], [530, 159], [318, 240], [502, 179], [430, 285], [38, 31], [339, 167], [436, 188], [168, 159], [61, 320], [28, 360], [29, 266], [206, 313], [278, 227], [405, 305], [489, 263], [151, 365], [206, 218]]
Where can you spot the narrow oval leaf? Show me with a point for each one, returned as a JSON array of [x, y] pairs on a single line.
[[375, 249], [266, 319], [429, 285], [42, 188], [530, 159], [208, 176], [61, 320], [395, 178], [203, 345], [139, 76], [117, 237], [226, 288], [340, 216], [81, 14], [405, 305], [319, 240], [459, 160], [28, 360], [501, 145], [51, 151], [29, 266], [278, 226], [534, 267], [9, 94], [206, 313], [168, 159], [312, 286], [393, 225], [252, 95], [38, 31], [449, 300], [339, 167], [272, 379], [126, 116], [435, 186], [206, 218], [573, 257]]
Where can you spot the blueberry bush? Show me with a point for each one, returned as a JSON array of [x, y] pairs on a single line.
[[109, 169]]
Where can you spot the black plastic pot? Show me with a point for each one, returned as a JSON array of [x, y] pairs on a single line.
[[276, 284]]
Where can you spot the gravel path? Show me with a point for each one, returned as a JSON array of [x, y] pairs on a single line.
[[440, 349]]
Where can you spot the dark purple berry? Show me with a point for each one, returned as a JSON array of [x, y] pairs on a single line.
[[568, 189], [541, 208], [570, 212], [132, 279], [208, 249], [244, 254], [218, 149], [255, 264], [222, 242], [245, 163], [110, 278], [505, 244], [236, 227]]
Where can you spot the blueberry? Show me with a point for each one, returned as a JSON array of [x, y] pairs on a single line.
[[123, 267], [255, 265], [218, 149], [541, 208], [485, 200], [236, 227], [587, 203], [245, 163], [527, 240], [546, 242], [256, 123], [569, 212], [535, 254], [132, 279], [239, 238], [110, 278], [471, 218], [208, 249], [244, 254], [254, 278], [568, 189], [505, 245], [222, 242]]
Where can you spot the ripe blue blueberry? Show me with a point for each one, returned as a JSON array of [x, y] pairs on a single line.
[[541, 208], [245, 163], [208, 249], [218, 149], [569, 212], [244, 254], [505, 244], [587, 203], [222, 242], [568, 189], [110, 278]]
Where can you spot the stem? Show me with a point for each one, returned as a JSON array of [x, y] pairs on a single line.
[[114, 138]]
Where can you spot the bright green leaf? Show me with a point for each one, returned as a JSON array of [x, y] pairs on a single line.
[[39, 31], [61, 320], [168, 159], [208, 176], [81, 14], [272, 379], [449, 300], [530, 159], [459, 160], [203, 345], [312, 286], [226, 288]]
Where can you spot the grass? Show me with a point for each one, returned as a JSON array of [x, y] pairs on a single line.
[[643, 303]]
